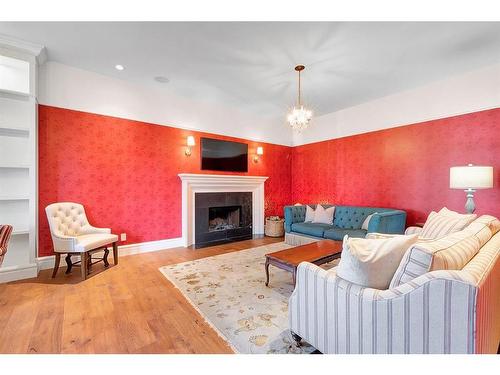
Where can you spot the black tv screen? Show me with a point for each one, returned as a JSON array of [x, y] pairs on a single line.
[[217, 155]]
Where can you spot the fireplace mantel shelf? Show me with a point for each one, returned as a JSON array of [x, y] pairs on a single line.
[[199, 177], [193, 183]]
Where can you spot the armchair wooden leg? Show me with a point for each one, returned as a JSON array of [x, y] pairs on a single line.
[[105, 257], [56, 264], [69, 263], [89, 263], [84, 264], [115, 253]]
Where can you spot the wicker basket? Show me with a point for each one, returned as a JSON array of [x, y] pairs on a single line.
[[275, 228]]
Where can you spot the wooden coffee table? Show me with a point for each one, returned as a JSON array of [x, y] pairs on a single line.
[[319, 252]]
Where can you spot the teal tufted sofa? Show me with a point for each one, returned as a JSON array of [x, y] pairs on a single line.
[[347, 220]]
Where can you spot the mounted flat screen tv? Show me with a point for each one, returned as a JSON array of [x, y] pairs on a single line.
[[217, 155]]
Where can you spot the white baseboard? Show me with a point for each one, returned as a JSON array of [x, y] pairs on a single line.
[[47, 262], [146, 247], [18, 272]]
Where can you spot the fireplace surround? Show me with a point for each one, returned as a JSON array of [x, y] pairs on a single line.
[[222, 217], [210, 183]]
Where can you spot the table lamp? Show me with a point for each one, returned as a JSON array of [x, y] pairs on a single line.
[[470, 178]]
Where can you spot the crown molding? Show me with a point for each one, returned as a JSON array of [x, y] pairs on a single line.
[[37, 50]]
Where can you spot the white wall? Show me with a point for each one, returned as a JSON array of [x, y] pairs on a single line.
[[471, 92], [68, 87]]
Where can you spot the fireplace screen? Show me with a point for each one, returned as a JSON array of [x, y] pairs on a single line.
[[223, 218]]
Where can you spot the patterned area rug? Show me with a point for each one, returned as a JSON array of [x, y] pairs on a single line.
[[229, 292]]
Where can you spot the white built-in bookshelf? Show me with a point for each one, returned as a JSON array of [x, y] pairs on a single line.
[[18, 156]]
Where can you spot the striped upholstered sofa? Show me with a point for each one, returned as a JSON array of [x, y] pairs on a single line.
[[5, 233], [444, 298]]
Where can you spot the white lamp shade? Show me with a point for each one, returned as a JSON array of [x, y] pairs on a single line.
[[260, 151], [471, 177], [190, 140]]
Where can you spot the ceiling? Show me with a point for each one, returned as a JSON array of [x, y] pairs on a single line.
[[250, 64]]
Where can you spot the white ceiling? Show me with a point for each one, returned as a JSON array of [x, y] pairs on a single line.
[[250, 65]]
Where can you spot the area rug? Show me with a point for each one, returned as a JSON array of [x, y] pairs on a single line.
[[229, 292]]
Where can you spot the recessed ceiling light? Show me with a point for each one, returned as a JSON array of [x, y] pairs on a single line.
[[119, 67], [162, 79]]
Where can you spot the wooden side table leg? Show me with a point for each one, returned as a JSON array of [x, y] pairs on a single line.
[[267, 272], [84, 264], [294, 276], [56, 264], [115, 253]]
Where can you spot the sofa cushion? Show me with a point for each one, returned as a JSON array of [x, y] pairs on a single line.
[[93, 241], [451, 252], [338, 234], [491, 222], [311, 229], [348, 217], [484, 261], [372, 262], [444, 222]]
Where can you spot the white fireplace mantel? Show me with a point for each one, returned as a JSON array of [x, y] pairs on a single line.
[[213, 183]]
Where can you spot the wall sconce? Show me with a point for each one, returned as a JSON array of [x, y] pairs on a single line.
[[260, 152], [190, 143]]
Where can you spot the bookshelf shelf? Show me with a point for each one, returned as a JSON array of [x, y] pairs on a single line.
[[18, 155], [14, 132]]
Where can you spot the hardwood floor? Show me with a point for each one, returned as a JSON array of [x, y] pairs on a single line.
[[129, 308]]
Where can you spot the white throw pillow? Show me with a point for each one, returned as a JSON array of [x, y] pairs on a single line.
[[445, 211], [444, 222], [309, 215], [367, 221], [323, 216], [372, 262]]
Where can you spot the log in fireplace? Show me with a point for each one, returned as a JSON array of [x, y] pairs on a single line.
[[222, 218]]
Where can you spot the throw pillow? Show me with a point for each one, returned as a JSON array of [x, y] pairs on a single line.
[[324, 216], [447, 212], [309, 215], [372, 262], [367, 221], [451, 252], [440, 224]]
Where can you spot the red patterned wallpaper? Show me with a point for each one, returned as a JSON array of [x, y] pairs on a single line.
[[125, 172], [405, 167]]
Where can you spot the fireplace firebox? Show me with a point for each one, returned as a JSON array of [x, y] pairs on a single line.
[[222, 217]]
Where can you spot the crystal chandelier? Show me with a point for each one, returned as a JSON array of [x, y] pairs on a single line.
[[299, 117]]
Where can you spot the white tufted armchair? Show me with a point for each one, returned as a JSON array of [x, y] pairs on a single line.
[[73, 235]]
